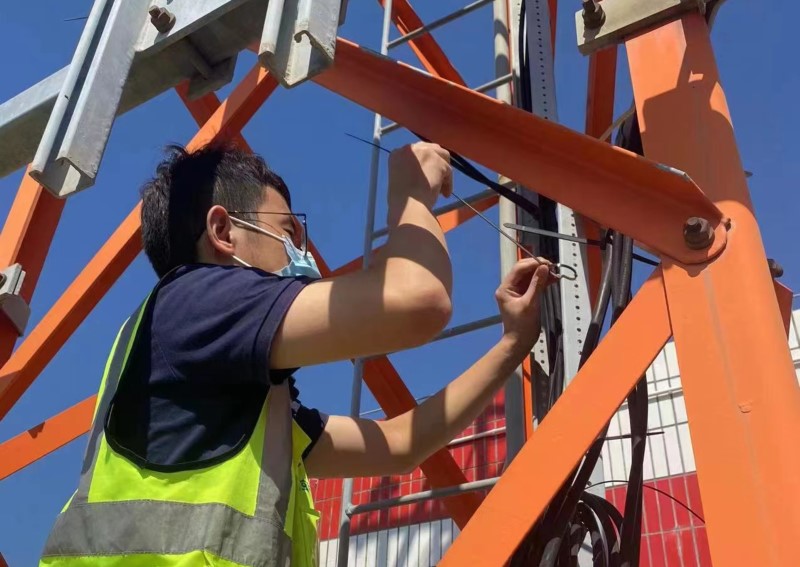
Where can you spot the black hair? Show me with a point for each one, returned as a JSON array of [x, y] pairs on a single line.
[[186, 185]]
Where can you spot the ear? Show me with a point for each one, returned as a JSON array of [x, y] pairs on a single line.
[[219, 231]]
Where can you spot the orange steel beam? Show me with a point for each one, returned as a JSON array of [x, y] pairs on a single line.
[[26, 238], [737, 373], [117, 253], [599, 116], [618, 189], [424, 47], [448, 221], [539, 469], [40, 440], [784, 296], [553, 7]]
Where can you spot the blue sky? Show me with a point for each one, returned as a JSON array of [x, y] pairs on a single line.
[[301, 134]]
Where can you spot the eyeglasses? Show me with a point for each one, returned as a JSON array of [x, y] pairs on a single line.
[[298, 234]]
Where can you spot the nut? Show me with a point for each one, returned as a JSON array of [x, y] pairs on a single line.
[[161, 18], [775, 269], [593, 15], [698, 233]]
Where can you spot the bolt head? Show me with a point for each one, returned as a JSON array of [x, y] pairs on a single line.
[[593, 14], [698, 233]]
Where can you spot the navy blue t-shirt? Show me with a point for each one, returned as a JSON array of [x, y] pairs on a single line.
[[198, 374]]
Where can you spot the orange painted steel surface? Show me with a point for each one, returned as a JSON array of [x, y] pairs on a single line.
[[40, 440], [599, 116], [537, 472], [615, 187], [738, 378], [25, 239], [424, 47]]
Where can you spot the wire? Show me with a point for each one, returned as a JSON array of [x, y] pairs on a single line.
[[556, 270], [460, 164], [662, 492], [577, 239]]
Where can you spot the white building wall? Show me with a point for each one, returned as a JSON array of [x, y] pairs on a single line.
[[668, 453], [417, 545]]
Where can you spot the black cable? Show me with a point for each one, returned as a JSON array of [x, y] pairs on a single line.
[[461, 164], [662, 492]]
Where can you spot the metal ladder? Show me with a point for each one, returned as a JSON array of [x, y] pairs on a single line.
[[501, 83]]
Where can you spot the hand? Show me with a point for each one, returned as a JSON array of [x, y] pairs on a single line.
[[420, 171], [519, 300]]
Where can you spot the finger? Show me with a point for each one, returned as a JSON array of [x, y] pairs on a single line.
[[447, 183], [539, 281], [521, 272], [442, 153]]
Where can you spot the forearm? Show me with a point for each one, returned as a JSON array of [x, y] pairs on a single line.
[[431, 425]]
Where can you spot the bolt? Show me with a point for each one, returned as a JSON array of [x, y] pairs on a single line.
[[775, 269], [593, 14], [161, 18], [698, 233]]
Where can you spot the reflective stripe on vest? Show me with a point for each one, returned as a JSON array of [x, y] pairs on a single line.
[[110, 526]]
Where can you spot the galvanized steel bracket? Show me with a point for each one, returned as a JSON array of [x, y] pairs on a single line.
[[11, 303], [625, 18], [299, 38], [77, 132]]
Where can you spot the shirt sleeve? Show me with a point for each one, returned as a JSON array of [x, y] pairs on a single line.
[[222, 320], [311, 421]]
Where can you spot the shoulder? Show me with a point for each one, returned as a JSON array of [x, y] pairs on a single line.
[[221, 285]]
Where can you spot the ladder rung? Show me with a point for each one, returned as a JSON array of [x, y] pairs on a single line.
[[438, 23]]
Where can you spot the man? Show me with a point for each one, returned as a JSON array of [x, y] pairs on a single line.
[[200, 449]]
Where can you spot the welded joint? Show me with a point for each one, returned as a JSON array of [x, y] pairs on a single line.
[[600, 25], [12, 305]]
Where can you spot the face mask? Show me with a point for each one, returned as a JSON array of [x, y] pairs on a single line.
[[300, 264]]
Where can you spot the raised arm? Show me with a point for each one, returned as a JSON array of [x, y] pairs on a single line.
[[402, 300], [359, 447]]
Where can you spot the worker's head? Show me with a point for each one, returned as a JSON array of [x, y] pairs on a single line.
[[218, 205]]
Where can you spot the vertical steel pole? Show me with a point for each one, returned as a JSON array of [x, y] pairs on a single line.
[[514, 412], [369, 230], [738, 378]]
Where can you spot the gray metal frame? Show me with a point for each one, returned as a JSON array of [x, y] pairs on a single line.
[[72, 111]]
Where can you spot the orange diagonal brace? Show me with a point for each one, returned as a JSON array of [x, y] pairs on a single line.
[[599, 116], [40, 440], [424, 47], [613, 186], [25, 239], [108, 264], [527, 486], [738, 378]]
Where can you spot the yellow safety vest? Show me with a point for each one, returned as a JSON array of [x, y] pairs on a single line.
[[254, 509]]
